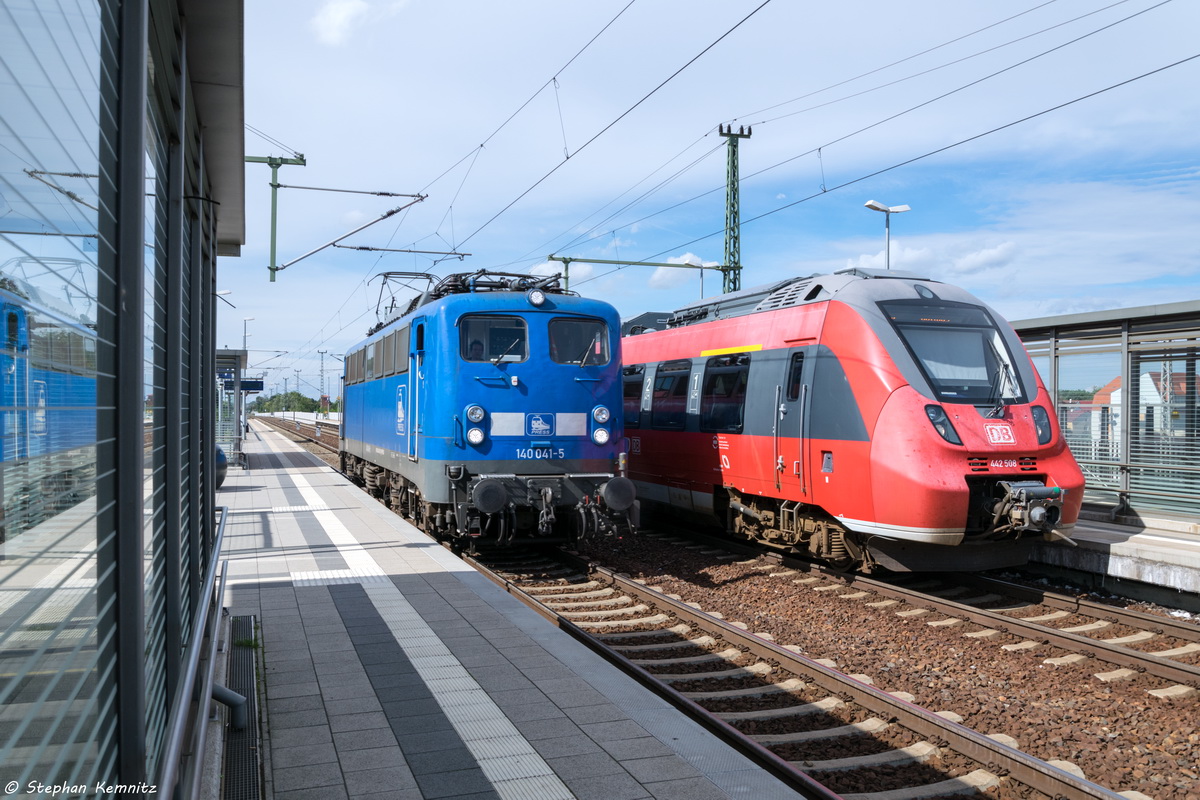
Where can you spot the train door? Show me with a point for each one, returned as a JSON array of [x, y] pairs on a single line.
[[416, 384], [790, 411]]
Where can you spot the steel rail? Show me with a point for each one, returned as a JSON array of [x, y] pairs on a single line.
[[1160, 625], [759, 755], [998, 757], [1072, 642]]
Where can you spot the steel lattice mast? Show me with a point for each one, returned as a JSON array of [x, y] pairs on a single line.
[[731, 272]]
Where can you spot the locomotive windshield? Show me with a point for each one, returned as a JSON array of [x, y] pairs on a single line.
[[493, 338], [960, 351], [579, 341]]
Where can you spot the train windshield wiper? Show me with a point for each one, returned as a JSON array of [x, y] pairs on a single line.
[[587, 351], [1003, 373], [507, 350]]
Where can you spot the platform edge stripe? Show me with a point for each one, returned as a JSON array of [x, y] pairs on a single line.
[[487, 720], [544, 788], [479, 720]]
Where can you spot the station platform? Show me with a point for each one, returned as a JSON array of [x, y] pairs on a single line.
[[1151, 558], [394, 670]]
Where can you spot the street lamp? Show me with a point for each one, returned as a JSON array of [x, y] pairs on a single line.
[[245, 329], [887, 227]]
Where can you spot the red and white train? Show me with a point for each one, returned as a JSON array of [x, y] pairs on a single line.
[[869, 418]]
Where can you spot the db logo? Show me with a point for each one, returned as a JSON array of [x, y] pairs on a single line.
[[999, 433]]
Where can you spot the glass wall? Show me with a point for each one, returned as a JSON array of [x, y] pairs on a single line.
[[1126, 392], [108, 241], [57, 697]]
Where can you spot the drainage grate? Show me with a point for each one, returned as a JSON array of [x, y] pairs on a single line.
[[242, 748]]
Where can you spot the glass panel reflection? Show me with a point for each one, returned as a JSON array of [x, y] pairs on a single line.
[[57, 722]]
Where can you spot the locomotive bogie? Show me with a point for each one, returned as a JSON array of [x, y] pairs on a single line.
[[865, 418]]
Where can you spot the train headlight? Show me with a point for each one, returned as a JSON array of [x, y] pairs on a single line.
[[600, 436], [475, 436], [1041, 421], [941, 424], [536, 297], [601, 414], [475, 414]]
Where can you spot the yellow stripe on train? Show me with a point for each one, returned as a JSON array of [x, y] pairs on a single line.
[[748, 348]]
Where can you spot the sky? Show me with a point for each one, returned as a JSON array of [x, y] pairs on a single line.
[[1049, 152]]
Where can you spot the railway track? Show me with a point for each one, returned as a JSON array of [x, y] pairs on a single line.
[[828, 733], [900, 633], [323, 435]]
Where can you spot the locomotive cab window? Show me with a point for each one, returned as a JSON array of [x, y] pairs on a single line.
[[960, 351], [579, 341], [723, 399], [668, 407], [493, 338]]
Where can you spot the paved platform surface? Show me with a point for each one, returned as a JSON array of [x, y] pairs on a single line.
[[393, 670], [1162, 553]]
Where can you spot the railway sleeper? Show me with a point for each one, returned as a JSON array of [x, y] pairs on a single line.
[[561, 605], [656, 619], [754, 671], [572, 596], [806, 709], [978, 781], [790, 685], [865, 728], [732, 654], [536, 590], [677, 630], [913, 754], [611, 612], [702, 642]]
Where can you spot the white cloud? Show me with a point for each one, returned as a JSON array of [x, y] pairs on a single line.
[[334, 21], [986, 259], [670, 278], [578, 271]]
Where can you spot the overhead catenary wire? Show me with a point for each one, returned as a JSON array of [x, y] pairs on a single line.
[[921, 157], [474, 154], [620, 117], [818, 150], [271, 140]]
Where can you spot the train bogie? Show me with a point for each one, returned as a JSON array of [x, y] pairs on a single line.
[[868, 418]]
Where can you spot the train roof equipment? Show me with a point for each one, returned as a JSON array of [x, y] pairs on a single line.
[[780, 294], [387, 309]]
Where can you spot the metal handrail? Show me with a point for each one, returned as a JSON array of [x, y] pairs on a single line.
[[205, 699], [168, 773]]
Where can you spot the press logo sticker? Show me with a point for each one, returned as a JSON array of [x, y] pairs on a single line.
[[539, 424], [999, 433]]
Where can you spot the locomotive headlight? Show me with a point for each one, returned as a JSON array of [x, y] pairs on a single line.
[[601, 414], [1041, 421], [941, 424], [535, 297], [600, 436], [475, 414], [475, 436]]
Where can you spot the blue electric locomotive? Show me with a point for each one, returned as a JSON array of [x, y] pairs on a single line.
[[47, 401], [491, 408]]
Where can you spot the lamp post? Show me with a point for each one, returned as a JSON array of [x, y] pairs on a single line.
[[887, 227], [245, 331]]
